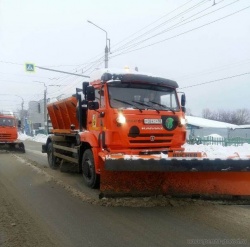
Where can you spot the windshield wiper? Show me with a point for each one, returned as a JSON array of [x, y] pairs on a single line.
[[125, 102], [169, 108], [140, 103]]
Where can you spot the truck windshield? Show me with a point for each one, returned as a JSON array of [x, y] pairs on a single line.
[[142, 96], [7, 122]]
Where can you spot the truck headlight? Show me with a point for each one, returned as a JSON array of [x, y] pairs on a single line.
[[121, 119], [182, 121]]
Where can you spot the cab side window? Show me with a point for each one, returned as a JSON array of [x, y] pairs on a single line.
[[99, 95]]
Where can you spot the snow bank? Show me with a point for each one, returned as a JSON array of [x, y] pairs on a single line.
[[38, 138], [220, 152]]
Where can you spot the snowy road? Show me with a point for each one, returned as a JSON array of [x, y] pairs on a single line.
[[34, 201]]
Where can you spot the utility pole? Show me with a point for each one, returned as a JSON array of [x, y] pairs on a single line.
[[45, 104], [107, 49], [21, 115], [106, 59], [45, 108]]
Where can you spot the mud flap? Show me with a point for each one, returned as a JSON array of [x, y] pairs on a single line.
[[177, 177]]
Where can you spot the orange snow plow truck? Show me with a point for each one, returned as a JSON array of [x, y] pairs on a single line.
[[9, 132], [124, 131]]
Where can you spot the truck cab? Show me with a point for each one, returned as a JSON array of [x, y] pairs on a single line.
[[9, 131], [137, 113]]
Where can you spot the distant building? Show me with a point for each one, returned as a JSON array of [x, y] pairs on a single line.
[[35, 118], [242, 131], [199, 127]]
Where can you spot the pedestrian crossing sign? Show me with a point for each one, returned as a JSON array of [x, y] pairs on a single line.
[[30, 67]]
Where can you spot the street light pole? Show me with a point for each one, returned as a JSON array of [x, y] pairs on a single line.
[[106, 50]]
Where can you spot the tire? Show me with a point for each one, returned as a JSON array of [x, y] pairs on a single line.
[[51, 158], [90, 178], [21, 147]]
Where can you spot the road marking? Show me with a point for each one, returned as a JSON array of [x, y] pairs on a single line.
[[36, 152]]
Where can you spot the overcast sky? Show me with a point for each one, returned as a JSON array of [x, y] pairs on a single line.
[[203, 45]]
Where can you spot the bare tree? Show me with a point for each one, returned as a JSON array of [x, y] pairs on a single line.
[[225, 116], [242, 116], [188, 112], [239, 117], [206, 113]]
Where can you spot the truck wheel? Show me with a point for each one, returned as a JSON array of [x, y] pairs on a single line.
[[51, 157], [21, 147], [90, 178]]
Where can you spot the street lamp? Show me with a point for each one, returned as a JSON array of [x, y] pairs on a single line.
[[107, 50]]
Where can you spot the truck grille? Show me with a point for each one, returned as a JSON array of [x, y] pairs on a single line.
[[146, 139], [4, 136]]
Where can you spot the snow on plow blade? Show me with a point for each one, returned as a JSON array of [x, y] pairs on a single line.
[[177, 177]]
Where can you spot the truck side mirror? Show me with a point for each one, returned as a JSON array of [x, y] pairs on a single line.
[[93, 105], [19, 124], [183, 100], [90, 93], [84, 86]]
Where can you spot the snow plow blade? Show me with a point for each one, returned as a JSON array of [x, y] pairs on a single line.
[[14, 146], [176, 177]]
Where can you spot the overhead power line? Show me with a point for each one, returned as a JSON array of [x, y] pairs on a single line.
[[90, 65], [128, 44], [152, 23], [179, 24], [59, 71], [221, 79], [95, 63], [188, 31], [11, 63], [215, 69]]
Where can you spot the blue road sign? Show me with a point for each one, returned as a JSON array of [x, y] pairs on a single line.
[[30, 67]]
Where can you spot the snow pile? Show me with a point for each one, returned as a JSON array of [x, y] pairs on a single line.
[[220, 152], [38, 138], [214, 136]]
